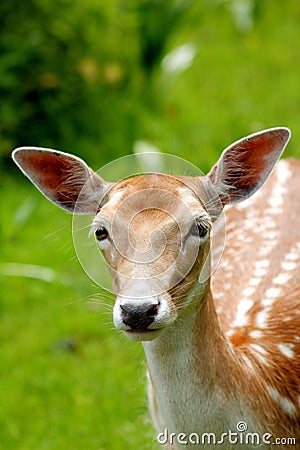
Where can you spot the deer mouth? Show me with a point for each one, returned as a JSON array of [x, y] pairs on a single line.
[[143, 335]]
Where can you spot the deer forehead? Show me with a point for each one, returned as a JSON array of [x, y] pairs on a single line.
[[150, 201]]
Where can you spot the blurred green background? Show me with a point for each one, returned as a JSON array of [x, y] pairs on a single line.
[[98, 79]]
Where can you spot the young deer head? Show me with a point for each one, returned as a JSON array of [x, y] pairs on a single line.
[[154, 232], [153, 229]]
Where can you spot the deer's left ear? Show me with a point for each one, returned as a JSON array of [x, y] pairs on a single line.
[[245, 165], [64, 179]]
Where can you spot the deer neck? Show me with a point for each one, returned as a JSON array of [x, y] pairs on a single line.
[[194, 341], [192, 368]]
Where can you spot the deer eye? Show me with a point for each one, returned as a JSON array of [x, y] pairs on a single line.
[[199, 229], [101, 233]]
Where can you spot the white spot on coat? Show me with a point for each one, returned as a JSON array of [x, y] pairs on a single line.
[[287, 350], [286, 265], [259, 349], [285, 404], [261, 319], [256, 334], [273, 292], [241, 317], [282, 278]]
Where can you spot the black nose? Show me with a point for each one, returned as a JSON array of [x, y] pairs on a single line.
[[139, 317]]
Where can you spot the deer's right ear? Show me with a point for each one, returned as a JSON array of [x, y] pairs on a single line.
[[64, 179]]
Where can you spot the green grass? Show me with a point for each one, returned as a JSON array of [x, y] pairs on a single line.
[[239, 83], [69, 381]]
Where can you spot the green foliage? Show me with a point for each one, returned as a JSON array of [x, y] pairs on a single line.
[[87, 77], [77, 72], [59, 72]]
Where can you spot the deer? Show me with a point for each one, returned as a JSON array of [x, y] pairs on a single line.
[[222, 349]]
